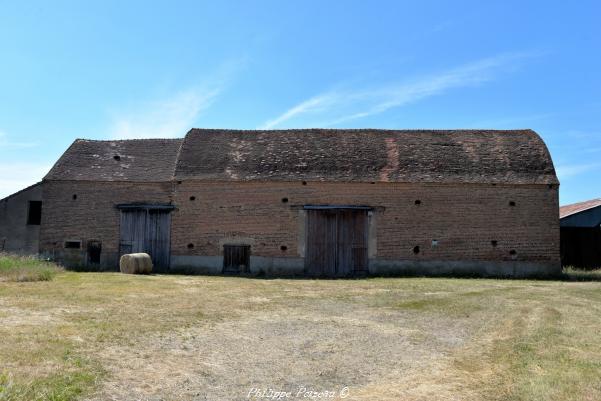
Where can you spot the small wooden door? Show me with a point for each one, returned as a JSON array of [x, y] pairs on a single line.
[[236, 258], [336, 242], [148, 231]]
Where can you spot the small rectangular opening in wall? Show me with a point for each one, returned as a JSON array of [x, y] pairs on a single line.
[[72, 244], [94, 250], [236, 258], [34, 213]]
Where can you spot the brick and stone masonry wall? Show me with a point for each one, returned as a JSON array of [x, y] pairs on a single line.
[[84, 211], [517, 224], [463, 219]]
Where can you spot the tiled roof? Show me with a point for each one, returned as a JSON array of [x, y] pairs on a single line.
[[574, 208], [123, 160], [370, 155]]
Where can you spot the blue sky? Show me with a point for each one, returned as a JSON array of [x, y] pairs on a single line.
[[127, 69]]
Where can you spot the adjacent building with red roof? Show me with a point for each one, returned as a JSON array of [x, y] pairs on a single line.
[[581, 234]]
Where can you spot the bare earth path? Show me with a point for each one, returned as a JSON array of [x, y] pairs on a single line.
[[116, 337]]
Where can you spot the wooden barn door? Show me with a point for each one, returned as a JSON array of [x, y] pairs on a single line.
[[322, 248], [133, 229], [147, 231], [158, 238], [236, 258], [336, 242]]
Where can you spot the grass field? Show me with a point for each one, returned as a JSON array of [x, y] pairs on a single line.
[[110, 336], [23, 268]]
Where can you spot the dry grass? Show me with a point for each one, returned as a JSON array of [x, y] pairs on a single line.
[[122, 337], [26, 268]]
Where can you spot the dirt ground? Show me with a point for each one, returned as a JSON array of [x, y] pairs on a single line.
[[225, 338]]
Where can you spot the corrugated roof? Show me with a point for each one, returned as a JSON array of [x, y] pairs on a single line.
[[120, 160], [568, 210], [371, 155]]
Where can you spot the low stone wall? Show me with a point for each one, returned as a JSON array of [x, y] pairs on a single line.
[[259, 265], [505, 269], [284, 267]]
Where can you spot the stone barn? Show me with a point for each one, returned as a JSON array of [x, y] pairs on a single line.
[[309, 202], [580, 226]]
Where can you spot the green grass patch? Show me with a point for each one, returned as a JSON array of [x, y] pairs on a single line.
[[550, 358], [573, 274], [78, 376], [26, 268], [461, 305]]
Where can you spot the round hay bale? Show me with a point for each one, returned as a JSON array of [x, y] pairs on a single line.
[[135, 263]]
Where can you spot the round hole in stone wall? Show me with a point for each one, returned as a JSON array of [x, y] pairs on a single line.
[[74, 196], [117, 157], [283, 248], [511, 203], [494, 242], [513, 252], [304, 183], [192, 198], [190, 246], [416, 250], [284, 200], [418, 202]]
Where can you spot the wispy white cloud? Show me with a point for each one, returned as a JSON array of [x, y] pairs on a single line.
[[320, 103], [6, 143], [177, 113], [566, 171], [16, 176], [342, 105], [166, 118]]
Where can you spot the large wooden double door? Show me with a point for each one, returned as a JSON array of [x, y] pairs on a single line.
[[148, 231], [336, 242]]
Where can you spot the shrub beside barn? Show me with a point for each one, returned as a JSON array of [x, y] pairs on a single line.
[[331, 203]]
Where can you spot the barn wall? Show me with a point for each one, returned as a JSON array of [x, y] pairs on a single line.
[[16, 236], [91, 216], [463, 219], [581, 247]]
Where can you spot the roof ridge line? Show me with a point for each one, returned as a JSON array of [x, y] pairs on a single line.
[[365, 129], [129, 140]]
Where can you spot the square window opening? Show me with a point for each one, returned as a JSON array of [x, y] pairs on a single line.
[[34, 213], [72, 244]]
